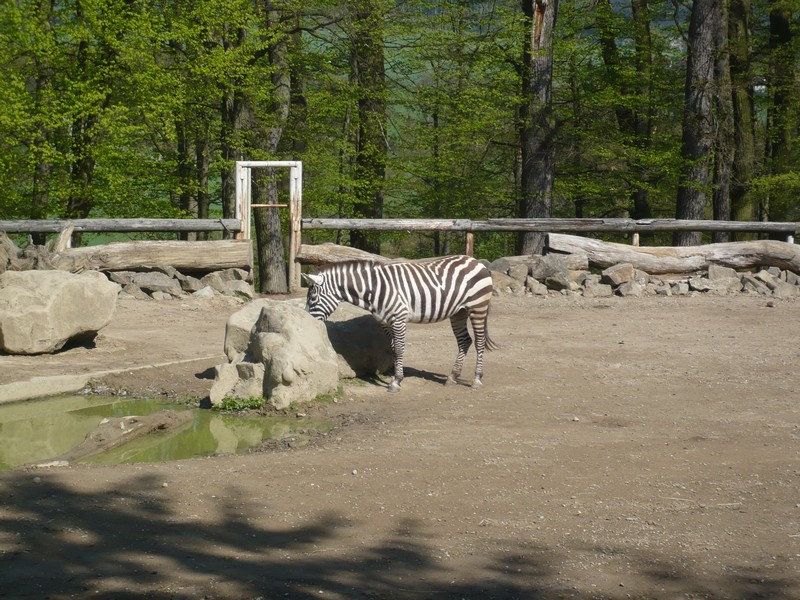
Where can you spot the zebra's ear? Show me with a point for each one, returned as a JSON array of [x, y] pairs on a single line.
[[312, 279]]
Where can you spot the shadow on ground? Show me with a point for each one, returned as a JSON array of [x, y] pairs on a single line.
[[132, 542]]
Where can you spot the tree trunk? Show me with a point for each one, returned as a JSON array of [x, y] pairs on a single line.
[[184, 173], [272, 277], [698, 118], [368, 74], [724, 148], [743, 207], [202, 162], [643, 114], [538, 125]]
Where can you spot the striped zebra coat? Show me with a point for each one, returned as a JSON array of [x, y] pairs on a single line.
[[421, 291]]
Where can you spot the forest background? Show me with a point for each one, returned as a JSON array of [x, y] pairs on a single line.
[[402, 108]]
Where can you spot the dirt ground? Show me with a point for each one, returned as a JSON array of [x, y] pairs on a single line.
[[620, 448]]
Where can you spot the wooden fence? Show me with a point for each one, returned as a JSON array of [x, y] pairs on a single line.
[[236, 227], [633, 226], [232, 226]]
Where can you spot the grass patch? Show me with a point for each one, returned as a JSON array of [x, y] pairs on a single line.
[[330, 397], [237, 404]]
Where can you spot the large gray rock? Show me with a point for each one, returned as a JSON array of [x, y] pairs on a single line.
[[40, 311], [299, 361], [284, 354]]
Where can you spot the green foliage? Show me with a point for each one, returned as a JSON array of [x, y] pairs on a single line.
[[126, 109], [330, 397], [239, 404]]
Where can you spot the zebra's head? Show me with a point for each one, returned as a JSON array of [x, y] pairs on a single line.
[[320, 302]]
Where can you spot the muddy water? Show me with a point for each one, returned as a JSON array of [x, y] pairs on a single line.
[[38, 430]]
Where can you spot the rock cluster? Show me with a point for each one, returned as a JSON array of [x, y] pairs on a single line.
[[553, 274], [166, 283]]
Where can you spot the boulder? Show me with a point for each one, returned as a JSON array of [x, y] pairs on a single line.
[[154, 281], [40, 311], [504, 284], [220, 280], [716, 272], [631, 289], [551, 265], [619, 274], [593, 289], [723, 286], [535, 287], [279, 351], [299, 361]]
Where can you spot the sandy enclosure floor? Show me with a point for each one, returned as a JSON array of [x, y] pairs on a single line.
[[644, 448]]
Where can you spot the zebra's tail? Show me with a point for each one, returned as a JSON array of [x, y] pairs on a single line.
[[490, 344]]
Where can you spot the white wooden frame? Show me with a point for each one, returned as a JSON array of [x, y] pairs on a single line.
[[244, 206]]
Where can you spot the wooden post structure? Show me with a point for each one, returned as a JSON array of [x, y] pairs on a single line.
[[469, 248], [244, 207]]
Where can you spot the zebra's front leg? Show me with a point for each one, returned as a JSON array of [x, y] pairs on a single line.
[[398, 344], [459, 325]]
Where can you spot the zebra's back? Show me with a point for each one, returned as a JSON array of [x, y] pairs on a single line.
[[433, 289]]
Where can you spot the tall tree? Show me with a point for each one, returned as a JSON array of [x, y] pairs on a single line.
[[724, 142], [698, 118], [742, 206], [367, 72], [538, 124], [271, 262], [642, 117]]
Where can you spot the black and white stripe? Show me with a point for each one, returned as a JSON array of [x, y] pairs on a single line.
[[422, 291]]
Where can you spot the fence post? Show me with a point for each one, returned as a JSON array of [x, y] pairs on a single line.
[[295, 216]]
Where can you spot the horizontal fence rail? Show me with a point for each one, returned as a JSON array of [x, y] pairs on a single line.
[[121, 225], [548, 225], [541, 225]]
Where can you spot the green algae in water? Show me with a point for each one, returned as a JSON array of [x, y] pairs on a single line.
[[39, 430]]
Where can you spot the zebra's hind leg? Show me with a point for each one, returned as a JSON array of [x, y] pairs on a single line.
[[478, 320], [398, 329], [459, 323]]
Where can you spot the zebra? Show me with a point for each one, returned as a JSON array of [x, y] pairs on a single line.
[[419, 291]]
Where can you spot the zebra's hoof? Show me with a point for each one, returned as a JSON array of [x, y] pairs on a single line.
[[393, 387], [477, 384], [451, 379]]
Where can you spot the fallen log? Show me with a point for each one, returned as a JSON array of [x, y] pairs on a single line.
[[329, 253], [183, 256], [115, 431], [680, 259]]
